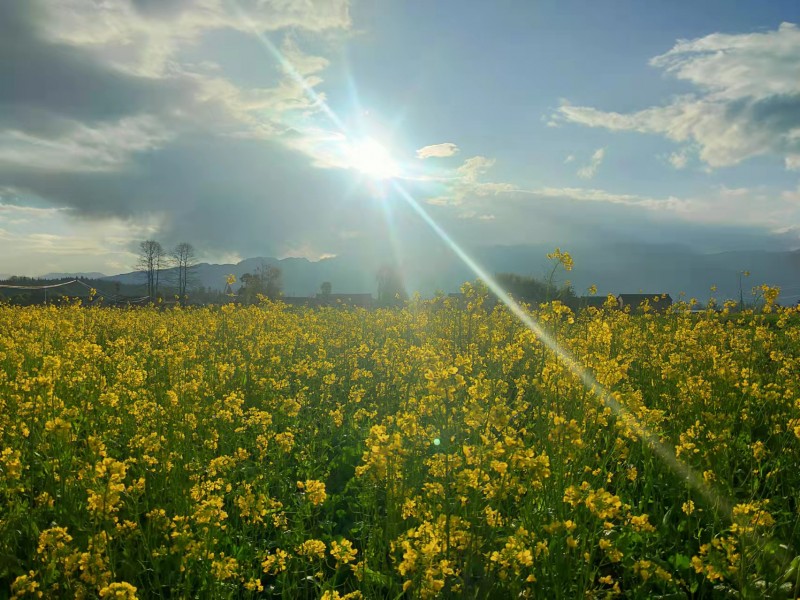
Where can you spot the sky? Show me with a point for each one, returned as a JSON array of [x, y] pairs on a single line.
[[317, 128]]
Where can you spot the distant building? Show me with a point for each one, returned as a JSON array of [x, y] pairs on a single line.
[[298, 300], [361, 300], [657, 302], [587, 301]]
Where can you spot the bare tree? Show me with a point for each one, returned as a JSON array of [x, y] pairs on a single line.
[[151, 261], [183, 258]]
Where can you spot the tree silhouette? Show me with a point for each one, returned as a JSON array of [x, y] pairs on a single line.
[[151, 261], [183, 258]]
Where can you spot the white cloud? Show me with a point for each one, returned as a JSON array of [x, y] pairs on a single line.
[[146, 40], [18, 216], [471, 214], [719, 205], [679, 159], [471, 197], [792, 196], [474, 167], [602, 196], [466, 183], [10, 212], [102, 147], [56, 242], [569, 158], [307, 251], [751, 65], [437, 151], [590, 170], [302, 63], [747, 104]]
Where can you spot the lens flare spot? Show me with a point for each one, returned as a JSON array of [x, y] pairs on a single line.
[[372, 159]]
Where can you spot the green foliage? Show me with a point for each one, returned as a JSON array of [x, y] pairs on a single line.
[[533, 291], [265, 282]]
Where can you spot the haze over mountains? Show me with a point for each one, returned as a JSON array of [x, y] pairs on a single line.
[[615, 268]]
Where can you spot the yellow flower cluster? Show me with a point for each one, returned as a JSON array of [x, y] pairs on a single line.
[[314, 491], [438, 449]]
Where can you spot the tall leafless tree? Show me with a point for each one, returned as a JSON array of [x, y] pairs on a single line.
[[151, 261], [183, 258]]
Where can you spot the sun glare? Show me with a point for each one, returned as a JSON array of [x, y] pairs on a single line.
[[371, 159]]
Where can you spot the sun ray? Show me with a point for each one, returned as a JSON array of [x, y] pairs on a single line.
[[680, 469], [588, 380]]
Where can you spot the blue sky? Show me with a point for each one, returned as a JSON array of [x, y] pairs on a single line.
[[270, 128]]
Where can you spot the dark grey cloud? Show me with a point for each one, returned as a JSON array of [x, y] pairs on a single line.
[[38, 76], [779, 113], [221, 193], [162, 8], [229, 193]]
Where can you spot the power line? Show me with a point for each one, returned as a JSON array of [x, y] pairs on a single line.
[[110, 296], [37, 287]]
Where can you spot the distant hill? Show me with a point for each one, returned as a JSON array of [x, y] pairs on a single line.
[[629, 268], [614, 268], [300, 277]]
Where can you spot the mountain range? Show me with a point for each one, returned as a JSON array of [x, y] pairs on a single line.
[[615, 268]]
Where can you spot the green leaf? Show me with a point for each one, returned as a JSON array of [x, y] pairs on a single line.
[[680, 561]]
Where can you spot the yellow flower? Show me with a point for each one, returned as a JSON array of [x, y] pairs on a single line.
[[641, 523], [276, 562], [343, 552], [312, 549], [314, 491], [120, 591], [224, 568], [26, 585]]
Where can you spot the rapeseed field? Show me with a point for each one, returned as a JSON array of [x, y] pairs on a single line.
[[439, 450]]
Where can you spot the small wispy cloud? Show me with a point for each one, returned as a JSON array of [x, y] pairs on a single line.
[[679, 159], [590, 170], [437, 151], [569, 159]]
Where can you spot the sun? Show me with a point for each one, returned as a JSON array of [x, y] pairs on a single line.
[[372, 159]]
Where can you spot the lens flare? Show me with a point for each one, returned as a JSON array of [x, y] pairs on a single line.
[[588, 380], [372, 159]]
